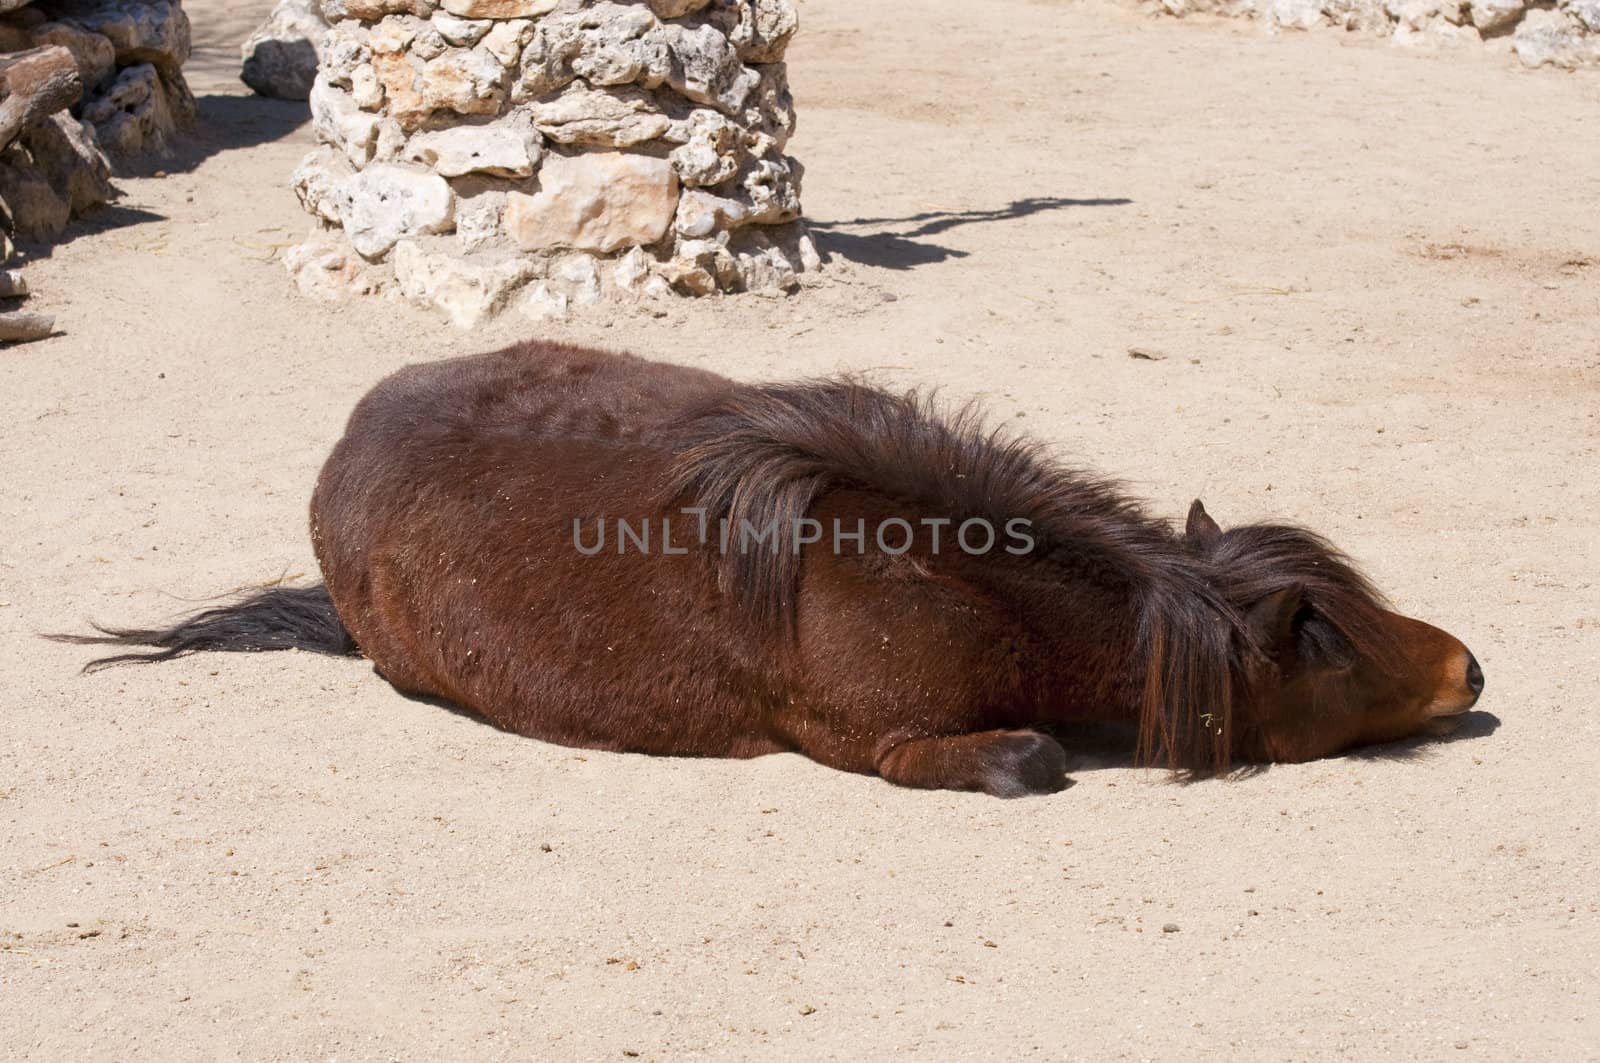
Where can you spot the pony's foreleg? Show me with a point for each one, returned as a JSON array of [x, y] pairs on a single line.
[[1002, 763]]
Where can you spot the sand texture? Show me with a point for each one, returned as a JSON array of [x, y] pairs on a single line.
[[1366, 285]]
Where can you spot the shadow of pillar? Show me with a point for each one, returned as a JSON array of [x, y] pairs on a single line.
[[902, 248]]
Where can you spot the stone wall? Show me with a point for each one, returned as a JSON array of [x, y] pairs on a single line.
[[1562, 33], [83, 83], [477, 154]]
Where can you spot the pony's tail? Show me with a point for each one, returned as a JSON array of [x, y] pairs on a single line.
[[277, 618]]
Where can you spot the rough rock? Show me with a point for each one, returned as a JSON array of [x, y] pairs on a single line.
[[461, 32], [541, 303], [700, 267], [1434, 34], [509, 147], [607, 44], [499, 8], [676, 8], [1415, 15], [372, 10], [687, 278], [772, 188], [1553, 38], [619, 118], [392, 36], [759, 31], [597, 202], [709, 151], [280, 57], [317, 179], [338, 121], [140, 31], [1587, 12], [343, 48], [95, 55], [136, 111], [1363, 16], [467, 81], [577, 277], [768, 117], [467, 291], [478, 212], [425, 42], [505, 40], [385, 202], [766, 270], [325, 269], [68, 157], [631, 270], [1294, 14], [365, 88], [1490, 15], [38, 211], [810, 259], [706, 67], [701, 213]]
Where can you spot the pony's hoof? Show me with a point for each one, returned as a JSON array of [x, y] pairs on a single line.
[[1023, 763]]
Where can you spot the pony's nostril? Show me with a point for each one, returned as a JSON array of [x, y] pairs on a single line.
[[1474, 675]]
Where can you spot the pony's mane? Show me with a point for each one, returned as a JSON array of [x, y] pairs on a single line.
[[767, 453]]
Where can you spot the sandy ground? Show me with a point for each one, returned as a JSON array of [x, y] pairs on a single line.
[[1374, 279]]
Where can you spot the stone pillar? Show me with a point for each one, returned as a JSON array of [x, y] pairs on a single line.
[[477, 154]]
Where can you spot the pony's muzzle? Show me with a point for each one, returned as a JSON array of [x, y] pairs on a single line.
[[1448, 713]]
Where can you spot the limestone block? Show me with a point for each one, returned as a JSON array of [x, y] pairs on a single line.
[[602, 201]]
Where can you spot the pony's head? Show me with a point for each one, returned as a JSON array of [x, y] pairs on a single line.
[[1326, 667]]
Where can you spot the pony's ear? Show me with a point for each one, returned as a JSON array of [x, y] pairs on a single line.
[[1200, 529], [1271, 620]]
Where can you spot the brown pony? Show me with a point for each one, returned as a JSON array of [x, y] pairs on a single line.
[[606, 552]]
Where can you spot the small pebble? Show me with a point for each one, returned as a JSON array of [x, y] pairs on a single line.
[[1170, 928]]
